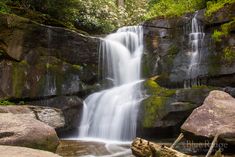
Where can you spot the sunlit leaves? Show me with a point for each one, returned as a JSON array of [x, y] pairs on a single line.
[[170, 8]]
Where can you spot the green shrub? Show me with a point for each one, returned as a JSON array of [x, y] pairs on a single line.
[[105, 15], [213, 6], [171, 8], [3, 6], [94, 16], [6, 102], [224, 31], [229, 55], [217, 35]]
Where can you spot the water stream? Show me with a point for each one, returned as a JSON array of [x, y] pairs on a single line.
[[112, 113], [195, 40]]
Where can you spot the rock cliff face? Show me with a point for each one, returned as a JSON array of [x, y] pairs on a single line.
[[51, 66], [167, 50], [46, 66], [167, 55], [22, 39], [40, 61]]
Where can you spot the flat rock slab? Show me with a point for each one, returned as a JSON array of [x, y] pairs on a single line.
[[24, 130], [215, 117], [51, 116], [12, 151]]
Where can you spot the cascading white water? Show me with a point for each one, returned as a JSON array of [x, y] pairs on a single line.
[[112, 113], [195, 39]]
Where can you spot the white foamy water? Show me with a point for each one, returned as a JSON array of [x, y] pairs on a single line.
[[112, 113], [195, 39]]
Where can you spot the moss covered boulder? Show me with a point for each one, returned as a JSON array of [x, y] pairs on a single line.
[[164, 110]]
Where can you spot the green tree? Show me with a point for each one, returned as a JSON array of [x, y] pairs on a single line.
[[169, 8], [3, 7]]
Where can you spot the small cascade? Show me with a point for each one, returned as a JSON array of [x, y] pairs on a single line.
[[112, 113], [196, 38], [50, 82]]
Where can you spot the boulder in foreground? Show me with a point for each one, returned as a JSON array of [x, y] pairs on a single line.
[[24, 130], [215, 117], [12, 151], [51, 116]]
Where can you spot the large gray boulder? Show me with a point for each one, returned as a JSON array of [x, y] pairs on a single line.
[[12, 151], [26, 131], [50, 116], [62, 113], [215, 117], [71, 106]]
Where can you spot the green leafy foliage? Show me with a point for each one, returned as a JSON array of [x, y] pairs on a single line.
[[102, 16], [213, 6], [224, 31], [229, 55], [94, 16], [105, 15], [3, 6], [133, 11], [217, 35], [6, 102], [170, 8]]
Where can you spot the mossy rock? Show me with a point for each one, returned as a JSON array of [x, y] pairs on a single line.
[[165, 108], [229, 55], [220, 11], [155, 105], [152, 107], [48, 77], [154, 89], [18, 77], [6, 103]]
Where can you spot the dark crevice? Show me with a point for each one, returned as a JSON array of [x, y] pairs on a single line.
[[152, 26], [6, 134], [208, 26], [7, 58], [213, 80], [28, 99], [35, 113]]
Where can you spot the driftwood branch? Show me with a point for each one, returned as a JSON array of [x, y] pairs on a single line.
[[177, 140], [212, 145], [143, 148]]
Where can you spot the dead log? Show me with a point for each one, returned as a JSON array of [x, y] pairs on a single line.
[[144, 148]]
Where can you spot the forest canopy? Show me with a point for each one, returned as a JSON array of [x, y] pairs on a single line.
[[104, 15]]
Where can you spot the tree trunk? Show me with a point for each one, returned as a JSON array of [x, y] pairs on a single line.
[[120, 3], [143, 148]]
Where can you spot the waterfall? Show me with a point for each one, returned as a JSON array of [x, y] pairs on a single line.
[[112, 113], [195, 40]]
